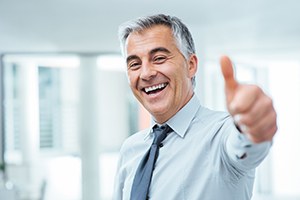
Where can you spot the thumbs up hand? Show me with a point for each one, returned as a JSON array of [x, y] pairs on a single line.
[[251, 108]]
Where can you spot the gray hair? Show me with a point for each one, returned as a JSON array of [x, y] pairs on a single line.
[[181, 33]]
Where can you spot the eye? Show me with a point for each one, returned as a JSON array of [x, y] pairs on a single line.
[[133, 65], [159, 59]]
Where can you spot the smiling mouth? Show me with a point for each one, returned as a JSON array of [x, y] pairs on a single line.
[[155, 88]]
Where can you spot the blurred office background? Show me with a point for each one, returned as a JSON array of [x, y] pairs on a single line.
[[66, 106]]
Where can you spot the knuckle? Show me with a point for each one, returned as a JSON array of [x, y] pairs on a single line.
[[274, 129], [268, 102], [255, 89], [248, 121]]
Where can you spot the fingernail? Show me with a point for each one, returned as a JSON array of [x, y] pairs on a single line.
[[244, 128], [249, 137]]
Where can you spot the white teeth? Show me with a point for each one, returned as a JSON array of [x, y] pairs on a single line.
[[155, 87]]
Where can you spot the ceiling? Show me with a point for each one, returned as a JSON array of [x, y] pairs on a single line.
[[91, 25]]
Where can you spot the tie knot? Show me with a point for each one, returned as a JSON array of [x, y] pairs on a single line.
[[160, 133]]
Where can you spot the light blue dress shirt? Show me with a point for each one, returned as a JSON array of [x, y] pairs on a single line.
[[204, 158]]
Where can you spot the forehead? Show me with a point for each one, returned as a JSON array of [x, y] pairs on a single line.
[[144, 41]]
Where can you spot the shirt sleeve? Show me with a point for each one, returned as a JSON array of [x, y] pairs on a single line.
[[242, 152]]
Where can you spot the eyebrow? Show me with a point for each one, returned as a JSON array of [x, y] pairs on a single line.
[[132, 57], [159, 49], [152, 52]]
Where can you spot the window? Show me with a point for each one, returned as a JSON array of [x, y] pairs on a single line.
[[278, 176], [44, 119]]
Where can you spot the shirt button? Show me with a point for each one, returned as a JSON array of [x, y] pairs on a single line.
[[161, 145], [242, 156]]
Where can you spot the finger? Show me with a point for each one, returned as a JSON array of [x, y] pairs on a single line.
[[264, 129], [245, 98], [228, 74], [267, 136], [260, 128], [261, 107]]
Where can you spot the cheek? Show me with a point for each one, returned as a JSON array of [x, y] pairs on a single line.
[[131, 79], [133, 82], [179, 74]]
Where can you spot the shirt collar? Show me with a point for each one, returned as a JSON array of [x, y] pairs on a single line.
[[182, 119]]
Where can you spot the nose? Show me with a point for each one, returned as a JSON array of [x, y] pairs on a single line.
[[147, 72]]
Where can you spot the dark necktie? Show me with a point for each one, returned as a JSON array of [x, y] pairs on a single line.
[[142, 179]]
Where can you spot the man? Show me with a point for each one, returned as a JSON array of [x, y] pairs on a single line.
[[206, 155]]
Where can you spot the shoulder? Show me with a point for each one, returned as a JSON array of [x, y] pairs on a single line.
[[213, 123], [206, 115]]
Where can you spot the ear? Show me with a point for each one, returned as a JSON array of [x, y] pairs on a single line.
[[193, 65]]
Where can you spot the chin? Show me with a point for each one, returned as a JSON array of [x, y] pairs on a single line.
[[158, 111]]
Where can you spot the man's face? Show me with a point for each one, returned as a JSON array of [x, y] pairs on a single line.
[[159, 75]]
